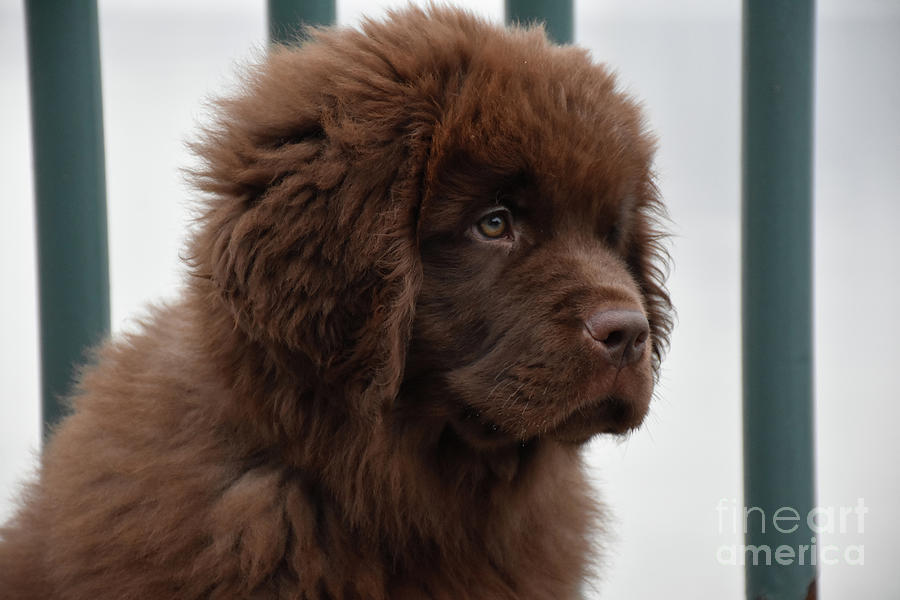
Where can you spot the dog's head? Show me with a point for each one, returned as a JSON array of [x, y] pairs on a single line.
[[437, 206]]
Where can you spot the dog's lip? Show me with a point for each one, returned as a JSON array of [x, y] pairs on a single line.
[[480, 432], [612, 415], [474, 427]]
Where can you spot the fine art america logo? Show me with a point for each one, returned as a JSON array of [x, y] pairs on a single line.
[[790, 522]]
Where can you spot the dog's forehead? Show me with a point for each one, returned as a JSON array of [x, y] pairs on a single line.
[[544, 126], [562, 175], [560, 126]]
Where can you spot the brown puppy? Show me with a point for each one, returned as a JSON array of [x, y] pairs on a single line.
[[427, 272]]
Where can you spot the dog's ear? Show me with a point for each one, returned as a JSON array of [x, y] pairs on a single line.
[[309, 237], [649, 260]]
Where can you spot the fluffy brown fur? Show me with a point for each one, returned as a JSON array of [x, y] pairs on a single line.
[[362, 395]]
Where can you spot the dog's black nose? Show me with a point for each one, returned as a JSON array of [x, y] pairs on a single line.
[[621, 333]]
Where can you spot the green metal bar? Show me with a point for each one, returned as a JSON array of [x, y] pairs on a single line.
[[286, 17], [70, 190], [557, 15], [779, 469]]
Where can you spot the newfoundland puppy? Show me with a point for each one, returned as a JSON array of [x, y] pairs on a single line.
[[427, 271]]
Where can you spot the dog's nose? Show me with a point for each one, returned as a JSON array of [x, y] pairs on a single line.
[[621, 333]]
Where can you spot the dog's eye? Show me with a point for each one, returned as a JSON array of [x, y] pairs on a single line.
[[495, 225]]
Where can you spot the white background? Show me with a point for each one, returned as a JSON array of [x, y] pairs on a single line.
[[162, 58]]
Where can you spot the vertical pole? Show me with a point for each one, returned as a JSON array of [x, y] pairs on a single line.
[[286, 17], [70, 190], [779, 470], [557, 15]]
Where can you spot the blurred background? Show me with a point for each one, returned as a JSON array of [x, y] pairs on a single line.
[[162, 59]]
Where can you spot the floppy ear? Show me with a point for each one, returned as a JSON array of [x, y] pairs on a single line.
[[309, 236]]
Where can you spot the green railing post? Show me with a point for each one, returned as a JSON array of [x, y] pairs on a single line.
[[557, 15], [287, 16], [779, 469], [70, 189]]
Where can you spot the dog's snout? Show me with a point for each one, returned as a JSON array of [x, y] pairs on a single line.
[[622, 334]]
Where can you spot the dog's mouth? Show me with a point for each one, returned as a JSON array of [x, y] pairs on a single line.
[[479, 431], [611, 415]]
